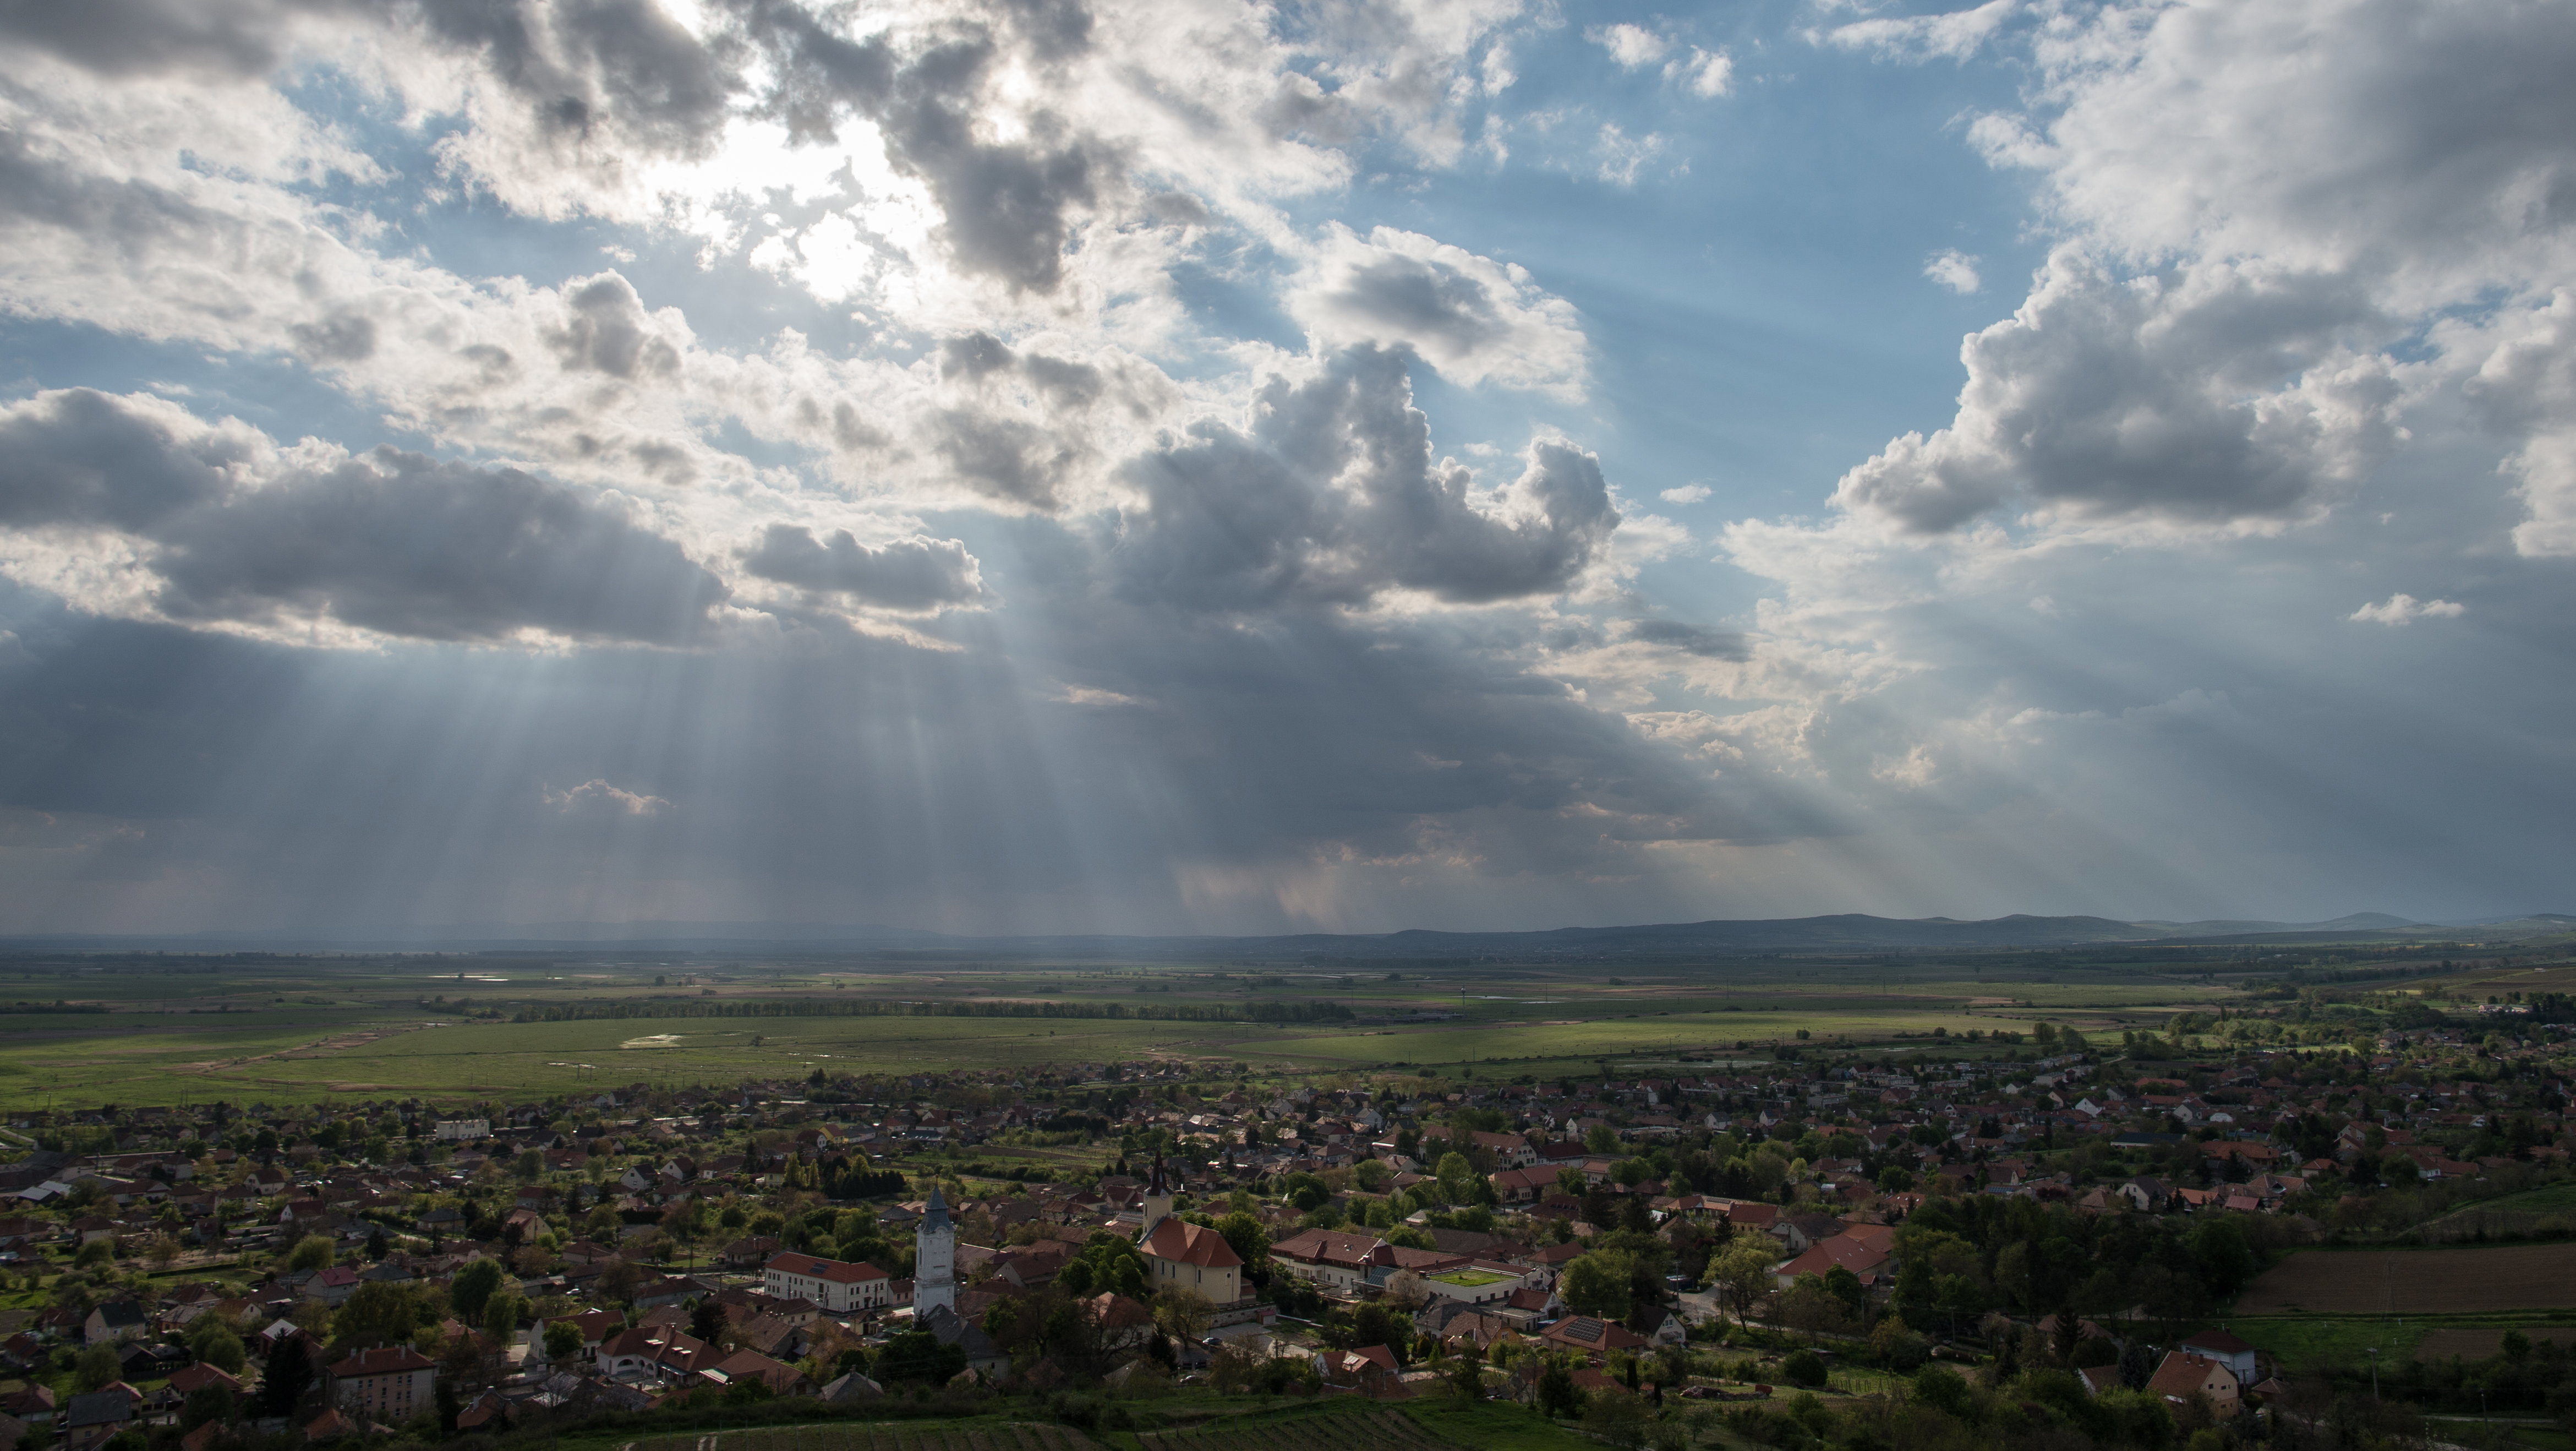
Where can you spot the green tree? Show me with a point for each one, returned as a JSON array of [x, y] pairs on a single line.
[[2226, 1261], [563, 1340], [213, 1342], [1557, 1394], [282, 1382], [1458, 1178], [501, 1315], [1805, 1368], [472, 1288], [214, 1402], [1741, 1273], [1601, 1139], [95, 1367], [312, 1252], [1942, 1388], [917, 1357], [1245, 1236], [377, 1314], [1599, 1284]]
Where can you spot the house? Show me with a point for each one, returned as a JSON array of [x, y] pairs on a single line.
[[839, 1287], [1371, 1370], [387, 1383], [489, 1411], [1590, 1336], [1195, 1257], [651, 1354], [1863, 1249], [2227, 1350], [982, 1356], [2146, 1194], [782, 1379], [188, 1379], [1328, 1259], [2184, 1374], [332, 1286], [91, 1419], [114, 1323]]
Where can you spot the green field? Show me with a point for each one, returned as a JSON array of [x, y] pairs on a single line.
[[299, 1029]]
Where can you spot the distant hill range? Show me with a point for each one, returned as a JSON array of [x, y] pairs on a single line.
[[1847, 932]]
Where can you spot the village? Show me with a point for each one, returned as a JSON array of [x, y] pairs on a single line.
[[350, 1269]]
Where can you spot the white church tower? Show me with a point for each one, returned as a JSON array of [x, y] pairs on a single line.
[[1158, 1199], [934, 1260]]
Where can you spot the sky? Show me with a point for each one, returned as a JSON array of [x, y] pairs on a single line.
[[1190, 466]]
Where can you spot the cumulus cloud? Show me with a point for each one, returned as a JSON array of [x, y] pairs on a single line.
[[2403, 609], [1954, 35], [1687, 494], [1475, 319], [1705, 73], [1953, 269], [1330, 493], [901, 574], [1634, 47], [131, 505], [597, 799], [2153, 397]]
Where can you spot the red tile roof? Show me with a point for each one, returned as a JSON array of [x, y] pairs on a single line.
[[1191, 1244]]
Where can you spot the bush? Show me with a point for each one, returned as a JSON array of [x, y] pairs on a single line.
[[1805, 1368]]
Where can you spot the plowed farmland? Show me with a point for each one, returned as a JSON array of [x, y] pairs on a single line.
[[2416, 1282], [879, 1436], [1376, 1428]]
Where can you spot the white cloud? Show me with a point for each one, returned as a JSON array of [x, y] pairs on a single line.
[[1622, 156], [1475, 319], [597, 798], [1706, 73], [1634, 47], [1955, 35], [1687, 494], [2402, 609], [1953, 269]]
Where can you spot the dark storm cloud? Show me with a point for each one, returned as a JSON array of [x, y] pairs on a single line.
[[80, 457], [392, 542], [905, 574], [142, 37], [1693, 639], [406, 545], [1333, 495]]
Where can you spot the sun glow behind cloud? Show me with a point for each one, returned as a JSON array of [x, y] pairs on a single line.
[[1120, 466]]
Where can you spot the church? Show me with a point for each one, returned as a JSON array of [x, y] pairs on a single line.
[[1189, 1255], [934, 1259]]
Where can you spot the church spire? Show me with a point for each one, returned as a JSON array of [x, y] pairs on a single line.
[[1158, 1197]]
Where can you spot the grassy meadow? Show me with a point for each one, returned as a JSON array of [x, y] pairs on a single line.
[[284, 1029]]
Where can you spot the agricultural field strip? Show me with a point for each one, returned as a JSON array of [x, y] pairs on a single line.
[[2416, 1282], [878, 1436]]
